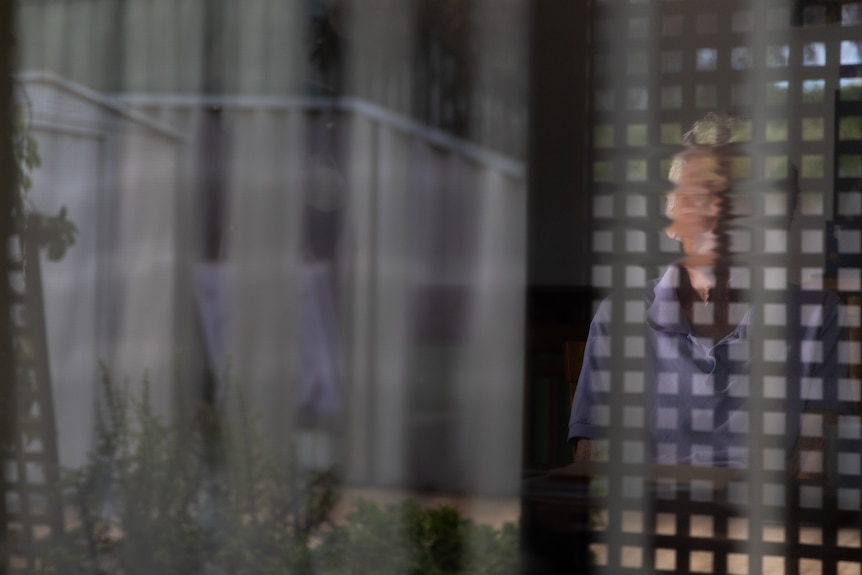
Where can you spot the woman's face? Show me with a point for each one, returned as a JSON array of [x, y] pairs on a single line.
[[695, 207]]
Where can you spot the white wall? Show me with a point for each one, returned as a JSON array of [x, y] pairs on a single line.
[[112, 297], [71, 287]]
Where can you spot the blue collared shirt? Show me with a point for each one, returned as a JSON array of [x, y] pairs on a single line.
[[696, 391]]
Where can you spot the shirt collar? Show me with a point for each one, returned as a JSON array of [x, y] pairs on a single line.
[[664, 312]]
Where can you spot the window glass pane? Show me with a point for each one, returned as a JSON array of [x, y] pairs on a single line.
[[776, 130], [776, 56], [812, 166], [787, 71], [741, 168], [812, 91], [603, 171], [850, 128], [814, 54], [812, 129], [850, 53], [671, 133], [743, 130], [637, 135], [776, 167], [707, 59], [339, 199], [638, 99], [274, 185], [664, 167], [705, 96], [740, 58], [851, 14], [671, 62], [776, 93], [603, 136], [671, 97], [850, 166], [851, 89], [814, 15], [636, 170]]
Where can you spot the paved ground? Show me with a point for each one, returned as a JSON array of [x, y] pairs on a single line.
[[737, 563], [497, 511], [490, 511]]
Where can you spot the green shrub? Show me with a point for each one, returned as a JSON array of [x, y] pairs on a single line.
[[407, 539], [200, 495], [203, 495]]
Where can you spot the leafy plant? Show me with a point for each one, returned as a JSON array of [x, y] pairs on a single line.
[[54, 233], [197, 495], [204, 495], [406, 538]]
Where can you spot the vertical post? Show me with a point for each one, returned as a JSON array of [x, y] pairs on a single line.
[[8, 194], [211, 239]]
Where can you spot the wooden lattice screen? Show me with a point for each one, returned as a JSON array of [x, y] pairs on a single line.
[[31, 472], [791, 72]]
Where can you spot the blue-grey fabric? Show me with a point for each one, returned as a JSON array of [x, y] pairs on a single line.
[[696, 393]]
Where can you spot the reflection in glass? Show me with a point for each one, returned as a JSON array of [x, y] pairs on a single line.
[[638, 98], [742, 21], [850, 128], [671, 97], [776, 130], [671, 62], [707, 59], [850, 166], [740, 58], [776, 93], [298, 223], [850, 52], [813, 90], [850, 89], [851, 14], [812, 129], [776, 56], [705, 96]]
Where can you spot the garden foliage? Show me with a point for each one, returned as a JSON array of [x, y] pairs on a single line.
[[205, 495]]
